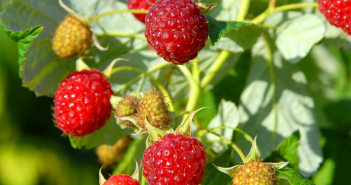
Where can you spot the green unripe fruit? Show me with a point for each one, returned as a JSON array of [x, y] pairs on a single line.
[[254, 173], [127, 107], [72, 37], [155, 109]]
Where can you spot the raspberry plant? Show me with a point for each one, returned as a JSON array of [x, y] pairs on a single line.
[[155, 77]]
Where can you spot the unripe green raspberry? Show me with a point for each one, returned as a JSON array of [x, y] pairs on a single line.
[[156, 111], [72, 37], [127, 107], [254, 173]]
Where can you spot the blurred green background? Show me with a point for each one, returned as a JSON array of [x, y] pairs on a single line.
[[32, 151]]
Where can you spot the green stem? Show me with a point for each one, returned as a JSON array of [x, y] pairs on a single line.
[[244, 7], [117, 11], [195, 90], [246, 136], [236, 148], [143, 180], [271, 4], [121, 34], [260, 18], [196, 72], [156, 82], [157, 67], [222, 57]]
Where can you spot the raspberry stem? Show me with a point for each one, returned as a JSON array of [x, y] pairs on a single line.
[[235, 147], [246, 136], [157, 67], [221, 59], [117, 11], [196, 72], [260, 18], [244, 7]]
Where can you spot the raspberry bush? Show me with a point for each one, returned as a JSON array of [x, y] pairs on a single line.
[[183, 87]]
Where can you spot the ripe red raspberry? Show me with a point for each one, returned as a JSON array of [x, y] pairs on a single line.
[[82, 102], [140, 5], [337, 12], [175, 160], [121, 180], [176, 30]]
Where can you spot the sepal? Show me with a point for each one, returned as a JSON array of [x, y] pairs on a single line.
[[206, 7], [81, 65], [136, 172], [98, 45], [102, 179], [108, 71], [229, 170], [278, 166], [185, 127], [254, 153]]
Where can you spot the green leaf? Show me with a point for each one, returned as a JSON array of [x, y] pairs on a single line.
[[237, 36], [296, 36], [24, 39], [276, 103], [226, 10], [220, 28], [228, 115], [293, 176], [108, 134], [286, 151], [214, 176], [40, 69]]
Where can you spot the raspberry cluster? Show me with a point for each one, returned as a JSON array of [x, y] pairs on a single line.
[[175, 160], [254, 173], [121, 180], [337, 12], [176, 30], [72, 37], [82, 102], [140, 5]]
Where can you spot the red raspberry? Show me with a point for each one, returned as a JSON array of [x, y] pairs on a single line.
[[121, 180], [176, 30], [337, 12], [140, 5], [175, 160], [82, 102]]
